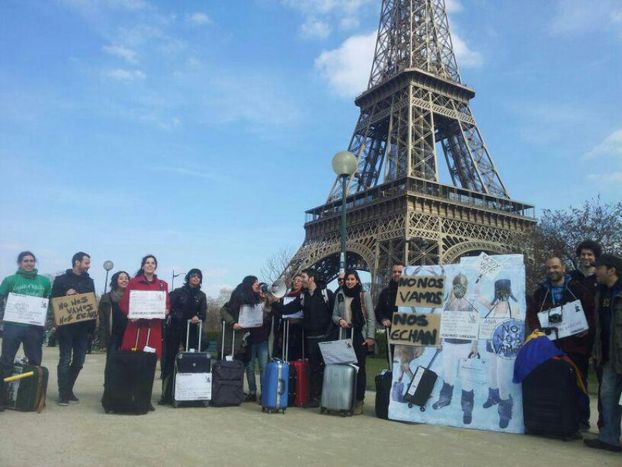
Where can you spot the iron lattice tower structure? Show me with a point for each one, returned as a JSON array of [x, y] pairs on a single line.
[[414, 108]]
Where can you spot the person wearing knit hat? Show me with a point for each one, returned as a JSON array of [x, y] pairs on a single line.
[[607, 350]]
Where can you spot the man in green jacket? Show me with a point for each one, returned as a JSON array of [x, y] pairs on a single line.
[[26, 281], [607, 350]]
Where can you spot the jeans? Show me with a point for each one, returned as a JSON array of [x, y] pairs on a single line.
[[31, 337], [316, 365], [610, 391], [73, 343], [257, 352]]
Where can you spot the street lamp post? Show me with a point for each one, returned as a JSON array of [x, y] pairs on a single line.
[[173, 278], [344, 165], [108, 265]]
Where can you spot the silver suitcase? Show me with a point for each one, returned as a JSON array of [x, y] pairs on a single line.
[[338, 389]]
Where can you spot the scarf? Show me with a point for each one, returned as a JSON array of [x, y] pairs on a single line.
[[358, 320], [27, 274], [116, 295]]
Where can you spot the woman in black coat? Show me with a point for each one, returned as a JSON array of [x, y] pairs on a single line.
[[187, 303]]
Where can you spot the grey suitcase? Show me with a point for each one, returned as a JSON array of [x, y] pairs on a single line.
[[338, 389]]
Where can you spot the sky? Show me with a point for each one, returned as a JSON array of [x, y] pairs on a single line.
[[201, 130]]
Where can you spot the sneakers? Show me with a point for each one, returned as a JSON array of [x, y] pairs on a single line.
[[72, 397], [250, 398], [62, 402], [358, 408], [598, 444]]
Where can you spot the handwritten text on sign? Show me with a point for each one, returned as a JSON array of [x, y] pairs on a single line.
[[424, 291], [415, 329], [26, 309], [74, 308], [147, 304]]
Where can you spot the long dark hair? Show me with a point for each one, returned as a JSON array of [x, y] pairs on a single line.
[[23, 254], [115, 278], [243, 294], [140, 272]]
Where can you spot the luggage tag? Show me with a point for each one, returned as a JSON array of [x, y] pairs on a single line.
[[229, 358], [148, 349]]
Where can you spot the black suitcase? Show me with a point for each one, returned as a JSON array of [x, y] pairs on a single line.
[[128, 382], [421, 385], [192, 362], [227, 378], [383, 386], [551, 400]]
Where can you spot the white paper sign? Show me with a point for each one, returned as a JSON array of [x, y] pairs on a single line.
[[26, 309], [573, 320], [341, 351], [459, 324], [193, 387], [147, 304], [487, 266], [251, 316], [488, 325], [299, 314]]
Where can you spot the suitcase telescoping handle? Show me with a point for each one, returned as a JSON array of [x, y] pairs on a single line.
[[138, 335], [389, 356], [285, 349], [200, 324]]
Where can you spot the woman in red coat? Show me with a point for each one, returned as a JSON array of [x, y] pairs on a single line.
[[145, 280]]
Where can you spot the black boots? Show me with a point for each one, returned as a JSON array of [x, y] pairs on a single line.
[[467, 406], [505, 412], [493, 398], [444, 398]]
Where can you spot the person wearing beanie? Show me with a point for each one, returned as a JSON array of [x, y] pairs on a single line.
[[26, 281], [187, 303], [607, 350]]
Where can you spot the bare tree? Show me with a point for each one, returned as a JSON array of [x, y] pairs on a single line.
[[276, 265], [212, 321]]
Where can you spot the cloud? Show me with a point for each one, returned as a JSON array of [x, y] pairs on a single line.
[[123, 52], [199, 19], [187, 171], [579, 16], [453, 6], [610, 146], [466, 57], [314, 29], [121, 74], [609, 177], [346, 68]]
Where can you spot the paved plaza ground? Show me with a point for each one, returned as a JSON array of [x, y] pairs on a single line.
[[82, 434]]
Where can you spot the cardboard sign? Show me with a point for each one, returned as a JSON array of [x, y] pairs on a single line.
[[26, 309], [416, 329], [74, 308], [423, 291], [573, 320], [341, 351], [193, 386], [147, 304], [460, 325], [251, 316]]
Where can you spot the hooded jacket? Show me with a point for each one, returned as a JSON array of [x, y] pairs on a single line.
[[542, 300]]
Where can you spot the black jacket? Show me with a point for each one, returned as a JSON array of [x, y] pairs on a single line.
[[589, 282], [386, 303], [81, 284], [187, 303], [317, 309]]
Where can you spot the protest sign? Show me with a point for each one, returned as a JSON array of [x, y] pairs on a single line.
[[147, 304], [487, 266], [573, 320], [74, 308], [193, 386], [415, 329], [25, 309], [424, 291], [488, 325], [459, 324], [251, 316], [298, 314], [340, 351]]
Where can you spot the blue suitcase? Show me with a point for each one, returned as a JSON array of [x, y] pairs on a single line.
[[275, 387]]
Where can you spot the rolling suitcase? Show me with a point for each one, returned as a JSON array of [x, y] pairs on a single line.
[[421, 385], [339, 387], [383, 385], [551, 400], [128, 382], [227, 378], [274, 390], [298, 376], [27, 387], [192, 377]]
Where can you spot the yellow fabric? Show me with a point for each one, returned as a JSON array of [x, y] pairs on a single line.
[[535, 334]]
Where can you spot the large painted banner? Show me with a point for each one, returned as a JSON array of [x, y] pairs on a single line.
[[465, 379]]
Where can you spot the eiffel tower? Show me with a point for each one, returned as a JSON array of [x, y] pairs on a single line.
[[415, 106]]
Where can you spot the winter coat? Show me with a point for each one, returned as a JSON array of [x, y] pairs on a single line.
[[615, 337], [81, 283], [317, 309], [368, 330], [573, 290], [187, 303], [386, 303], [109, 309], [140, 328]]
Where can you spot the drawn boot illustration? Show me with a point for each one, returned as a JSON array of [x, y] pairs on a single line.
[[444, 398], [467, 406], [505, 412], [493, 398]]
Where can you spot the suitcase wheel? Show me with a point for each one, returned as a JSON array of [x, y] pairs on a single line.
[[343, 413], [283, 412], [410, 406], [422, 408], [322, 410], [205, 403], [175, 404]]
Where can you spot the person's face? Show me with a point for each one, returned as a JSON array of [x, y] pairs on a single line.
[[85, 264], [555, 270], [305, 279], [150, 266], [297, 282], [396, 273], [587, 258], [122, 281], [255, 287], [351, 281], [341, 280], [460, 290], [27, 263], [194, 280], [603, 273]]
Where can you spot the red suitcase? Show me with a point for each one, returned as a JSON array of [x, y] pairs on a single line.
[[301, 370]]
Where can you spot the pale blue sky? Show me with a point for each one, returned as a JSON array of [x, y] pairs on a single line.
[[201, 130]]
